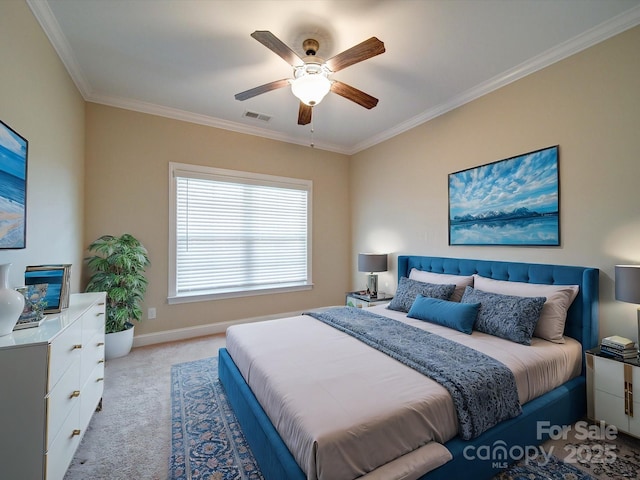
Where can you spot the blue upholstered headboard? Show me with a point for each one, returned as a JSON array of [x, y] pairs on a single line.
[[582, 318]]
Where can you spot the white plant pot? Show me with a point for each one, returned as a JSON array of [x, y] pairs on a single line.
[[118, 344]]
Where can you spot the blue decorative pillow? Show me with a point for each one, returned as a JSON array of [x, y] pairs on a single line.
[[408, 290], [459, 316], [505, 316]]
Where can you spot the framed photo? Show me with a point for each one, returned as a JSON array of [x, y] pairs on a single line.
[[54, 277], [13, 188], [515, 201], [34, 305]]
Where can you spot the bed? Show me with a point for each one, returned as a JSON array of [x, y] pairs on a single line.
[[562, 405]]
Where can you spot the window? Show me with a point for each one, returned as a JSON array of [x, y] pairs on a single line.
[[237, 233]]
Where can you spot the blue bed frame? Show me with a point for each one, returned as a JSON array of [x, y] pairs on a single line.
[[562, 406]]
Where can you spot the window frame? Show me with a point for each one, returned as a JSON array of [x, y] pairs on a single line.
[[212, 173]]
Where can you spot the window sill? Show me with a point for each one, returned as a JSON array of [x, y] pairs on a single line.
[[206, 297]]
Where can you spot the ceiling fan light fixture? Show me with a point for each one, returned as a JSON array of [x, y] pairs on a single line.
[[311, 88]]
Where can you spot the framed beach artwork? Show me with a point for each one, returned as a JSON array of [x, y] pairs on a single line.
[[13, 188], [515, 201]]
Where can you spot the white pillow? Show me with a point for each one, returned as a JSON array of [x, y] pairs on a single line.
[[554, 312], [460, 281]]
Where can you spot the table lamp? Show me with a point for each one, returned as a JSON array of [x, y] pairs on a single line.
[[372, 262], [628, 287]]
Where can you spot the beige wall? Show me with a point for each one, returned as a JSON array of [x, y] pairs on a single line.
[[40, 101], [127, 175], [589, 104]]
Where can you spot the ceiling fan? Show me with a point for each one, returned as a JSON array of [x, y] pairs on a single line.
[[311, 82]]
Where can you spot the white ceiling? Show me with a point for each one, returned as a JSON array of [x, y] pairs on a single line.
[[186, 59]]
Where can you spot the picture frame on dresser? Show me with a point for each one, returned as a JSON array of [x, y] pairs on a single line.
[[13, 188], [57, 279], [34, 305]]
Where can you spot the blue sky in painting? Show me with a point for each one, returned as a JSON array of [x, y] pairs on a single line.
[[13, 153], [529, 181]]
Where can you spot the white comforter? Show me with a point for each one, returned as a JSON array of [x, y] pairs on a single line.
[[347, 411]]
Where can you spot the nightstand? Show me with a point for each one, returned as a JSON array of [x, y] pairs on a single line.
[[357, 299], [613, 391]]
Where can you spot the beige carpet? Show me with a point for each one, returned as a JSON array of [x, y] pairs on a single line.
[[131, 437]]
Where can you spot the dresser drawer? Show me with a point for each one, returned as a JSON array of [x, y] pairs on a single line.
[[59, 455], [91, 394], [93, 322], [608, 376], [63, 350], [609, 408], [61, 401], [92, 355]]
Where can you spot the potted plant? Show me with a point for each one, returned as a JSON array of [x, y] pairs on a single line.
[[117, 268]]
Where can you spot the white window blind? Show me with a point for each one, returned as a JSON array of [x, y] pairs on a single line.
[[238, 233]]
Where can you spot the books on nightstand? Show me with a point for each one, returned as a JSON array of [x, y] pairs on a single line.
[[618, 347]]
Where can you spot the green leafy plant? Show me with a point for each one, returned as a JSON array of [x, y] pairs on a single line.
[[118, 268]]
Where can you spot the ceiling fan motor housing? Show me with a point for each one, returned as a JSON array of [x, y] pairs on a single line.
[[310, 46]]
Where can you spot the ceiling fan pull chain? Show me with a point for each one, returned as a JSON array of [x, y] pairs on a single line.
[[312, 143]]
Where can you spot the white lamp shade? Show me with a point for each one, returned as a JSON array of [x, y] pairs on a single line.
[[311, 88]]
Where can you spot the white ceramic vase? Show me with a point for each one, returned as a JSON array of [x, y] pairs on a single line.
[[11, 302]]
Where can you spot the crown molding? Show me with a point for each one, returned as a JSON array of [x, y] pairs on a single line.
[[58, 40], [185, 116]]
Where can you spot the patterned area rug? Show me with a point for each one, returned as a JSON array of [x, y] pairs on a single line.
[[208, 444], [598, 450]]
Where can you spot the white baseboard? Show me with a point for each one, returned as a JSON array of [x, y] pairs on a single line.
[[199, 331]]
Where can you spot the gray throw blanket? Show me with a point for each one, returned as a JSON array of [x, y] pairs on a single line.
[[483, 389]]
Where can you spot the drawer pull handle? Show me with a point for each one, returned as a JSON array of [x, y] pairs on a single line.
[[76, 393], [77, 347], [100, 379], [101, 303], [99, 313], [100, 344], [626, 398], [101, 360], [75, 433]]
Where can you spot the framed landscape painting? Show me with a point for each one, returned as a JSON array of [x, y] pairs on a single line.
[[13, 188], [515, 201]]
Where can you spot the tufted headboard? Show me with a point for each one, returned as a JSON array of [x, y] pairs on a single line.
[[582, 317]]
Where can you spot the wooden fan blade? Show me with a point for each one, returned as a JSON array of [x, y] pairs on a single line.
[[267, 87], [304, 114], [353, 94], [362, 51], [274, 44]]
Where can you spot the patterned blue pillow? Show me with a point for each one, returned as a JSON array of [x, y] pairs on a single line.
[[459, 316], [506, 316], [409, 289]]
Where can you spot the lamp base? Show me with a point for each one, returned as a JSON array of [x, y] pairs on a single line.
[[638, 343], [372, 287]]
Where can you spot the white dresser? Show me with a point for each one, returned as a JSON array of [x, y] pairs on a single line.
[[51, 381]]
